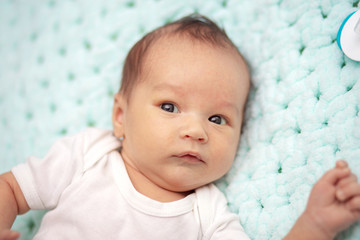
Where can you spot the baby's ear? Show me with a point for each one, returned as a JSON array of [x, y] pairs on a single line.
[[118, 115]]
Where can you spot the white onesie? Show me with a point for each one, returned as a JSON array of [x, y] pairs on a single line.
[[83, 182]]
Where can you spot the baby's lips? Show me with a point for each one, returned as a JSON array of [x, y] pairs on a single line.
[[191, 155]]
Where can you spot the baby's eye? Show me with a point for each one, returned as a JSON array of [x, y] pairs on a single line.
[[169, 107], [217, 120]]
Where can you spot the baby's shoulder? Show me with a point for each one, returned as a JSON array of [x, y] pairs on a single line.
[[96, 143]]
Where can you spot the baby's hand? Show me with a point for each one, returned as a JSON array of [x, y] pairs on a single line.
[[334, 202], [347, 187], [9, 235]]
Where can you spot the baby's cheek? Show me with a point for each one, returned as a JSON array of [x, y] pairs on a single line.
[[224, 158]]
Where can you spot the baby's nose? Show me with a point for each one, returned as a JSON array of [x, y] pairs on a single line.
[[194, 129]]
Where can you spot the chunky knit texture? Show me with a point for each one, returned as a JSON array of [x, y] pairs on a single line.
[[60, 65]]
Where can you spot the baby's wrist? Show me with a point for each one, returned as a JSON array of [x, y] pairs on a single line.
[[314, 225]]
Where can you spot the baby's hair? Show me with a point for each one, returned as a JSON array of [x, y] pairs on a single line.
[[195, 27]]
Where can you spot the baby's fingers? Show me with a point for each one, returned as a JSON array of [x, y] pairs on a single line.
[[335, 175], [347, 191], [341, 164], [9, 235], [347, 180], [354, 204]]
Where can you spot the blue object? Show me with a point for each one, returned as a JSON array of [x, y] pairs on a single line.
[[348, 36], [341, 28]]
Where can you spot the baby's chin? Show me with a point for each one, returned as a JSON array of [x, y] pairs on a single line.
[[183, 185]]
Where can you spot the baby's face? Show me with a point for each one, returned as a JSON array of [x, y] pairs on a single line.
[[183, 120]]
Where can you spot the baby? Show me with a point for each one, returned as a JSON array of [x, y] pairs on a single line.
[[176, 126]]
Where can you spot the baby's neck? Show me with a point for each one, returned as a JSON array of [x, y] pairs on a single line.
[[149, 189]]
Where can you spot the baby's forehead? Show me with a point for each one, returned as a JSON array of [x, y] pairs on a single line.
[[169, 51], [171, 42], [172, 59]]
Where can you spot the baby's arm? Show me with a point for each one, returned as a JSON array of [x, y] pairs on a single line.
[[12, 203], [333, 205]]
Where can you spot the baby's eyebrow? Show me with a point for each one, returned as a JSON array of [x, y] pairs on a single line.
[[228, 106], [168, 87]]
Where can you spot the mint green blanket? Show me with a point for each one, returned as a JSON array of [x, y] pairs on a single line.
[[60, 64]]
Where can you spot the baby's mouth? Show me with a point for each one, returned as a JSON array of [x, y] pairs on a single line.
[[190, 157]]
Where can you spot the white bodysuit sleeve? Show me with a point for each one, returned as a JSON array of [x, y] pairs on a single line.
[[42, 181], [217, 222]]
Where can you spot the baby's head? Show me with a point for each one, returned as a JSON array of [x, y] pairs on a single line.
[[196, 28], [181, 104]]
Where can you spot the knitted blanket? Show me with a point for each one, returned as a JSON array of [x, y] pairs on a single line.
[[60, 65]]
